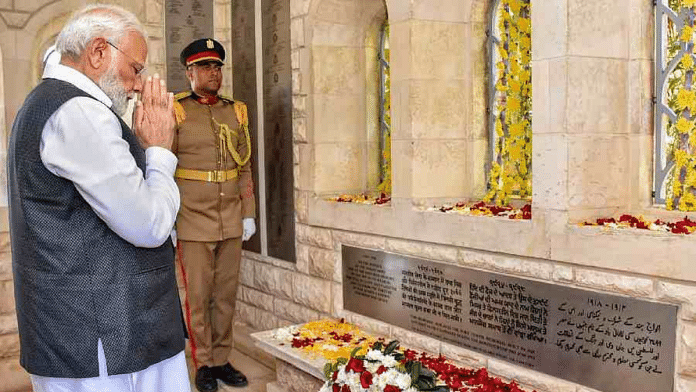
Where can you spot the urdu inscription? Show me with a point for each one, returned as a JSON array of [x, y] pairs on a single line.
[[606, 342]]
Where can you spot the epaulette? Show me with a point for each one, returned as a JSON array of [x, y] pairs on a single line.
[[179, 112], [182, 95]]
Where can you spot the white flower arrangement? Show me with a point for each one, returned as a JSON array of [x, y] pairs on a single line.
[[379, 370]]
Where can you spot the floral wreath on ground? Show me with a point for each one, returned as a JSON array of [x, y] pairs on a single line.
[[372, 366]]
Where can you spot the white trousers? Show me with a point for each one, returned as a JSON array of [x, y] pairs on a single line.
[[170, 375]]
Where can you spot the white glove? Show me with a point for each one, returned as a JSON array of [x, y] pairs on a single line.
[[249, 228], [173, 235]]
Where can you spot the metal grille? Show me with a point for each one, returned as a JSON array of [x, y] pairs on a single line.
[[384, 119], [667, 58], [492, 42]]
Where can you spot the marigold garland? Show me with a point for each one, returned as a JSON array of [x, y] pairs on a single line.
[[681, 185], [510, 171]]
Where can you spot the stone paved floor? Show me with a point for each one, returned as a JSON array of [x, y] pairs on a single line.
[[258, 374]]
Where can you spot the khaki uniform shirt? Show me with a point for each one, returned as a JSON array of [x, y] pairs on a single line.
[[211, 211]]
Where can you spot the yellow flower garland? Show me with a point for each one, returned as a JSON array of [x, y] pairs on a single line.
[[510, 171], [681, 193]]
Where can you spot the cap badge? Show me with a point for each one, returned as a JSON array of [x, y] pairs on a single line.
[[209, 43]]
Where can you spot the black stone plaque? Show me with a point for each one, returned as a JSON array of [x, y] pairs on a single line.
[[184, 21], [607, 342], [243, 58], [277, 104]]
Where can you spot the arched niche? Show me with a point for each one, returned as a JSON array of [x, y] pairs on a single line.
[[341, 85]]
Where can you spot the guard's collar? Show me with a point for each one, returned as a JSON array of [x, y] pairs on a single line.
[[206, 100]]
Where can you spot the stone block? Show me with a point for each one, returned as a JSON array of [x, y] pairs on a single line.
[[314, 236], [256, 298], [154, 12], [302, 258], [9, 345], [600, 106], [337, 296], [299, 106], [299, 126], [550, 168], [301, 208], [7, 302], [299, 8], [685, 384], [598, 28], [438, 50], [641, 30], [441, 10], [288, 310], [640, 91], [562, 273], [273, 280], [539, 381], [337, 70], [246, 314], [463, 356], [399, 10], [5, 266], [371, 325], [356, 239], [332, 34], [297, 33], [339, 118], [8, 324], [681, 294], [294, 379], [323, 263], [246, 272], [438, 109], [276, 387], [597, 171], [433, 173], [297, 86], [687, 350], [14, 377], [340, 167], [550, 29], [422, 250], [416, 340], [621, 284], [541, 100], [312, 292], [266, 320]]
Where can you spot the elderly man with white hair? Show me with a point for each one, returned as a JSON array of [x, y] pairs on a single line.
[[92, 204]]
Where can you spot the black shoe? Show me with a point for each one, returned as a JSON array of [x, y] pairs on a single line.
[[205, 381], [229, 375]]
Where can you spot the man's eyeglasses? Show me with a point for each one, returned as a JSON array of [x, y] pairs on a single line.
[[138, 67]]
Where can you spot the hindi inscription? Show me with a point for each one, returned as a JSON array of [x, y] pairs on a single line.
[[606, 342]]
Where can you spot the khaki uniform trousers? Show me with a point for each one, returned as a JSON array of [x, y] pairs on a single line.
[[210, 273]]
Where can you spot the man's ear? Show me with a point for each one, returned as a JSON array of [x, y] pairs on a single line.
[[98, 54]]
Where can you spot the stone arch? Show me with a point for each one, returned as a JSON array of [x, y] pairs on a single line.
[[342, 39]]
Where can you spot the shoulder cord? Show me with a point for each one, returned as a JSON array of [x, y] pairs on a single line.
[[227, 135]]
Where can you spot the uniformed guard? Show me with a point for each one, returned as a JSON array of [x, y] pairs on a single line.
[[217, 209]]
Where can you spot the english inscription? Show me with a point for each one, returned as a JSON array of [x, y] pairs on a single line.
[[606, 342]]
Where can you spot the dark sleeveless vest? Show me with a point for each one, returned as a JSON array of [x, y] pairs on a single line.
[[75, 280]]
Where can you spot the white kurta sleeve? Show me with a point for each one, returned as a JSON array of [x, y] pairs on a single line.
[[82, 142]]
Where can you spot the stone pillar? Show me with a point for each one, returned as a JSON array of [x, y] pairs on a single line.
[[439, 136], [588, 99]]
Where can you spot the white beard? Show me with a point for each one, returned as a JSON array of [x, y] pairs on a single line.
[[113, 88]]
